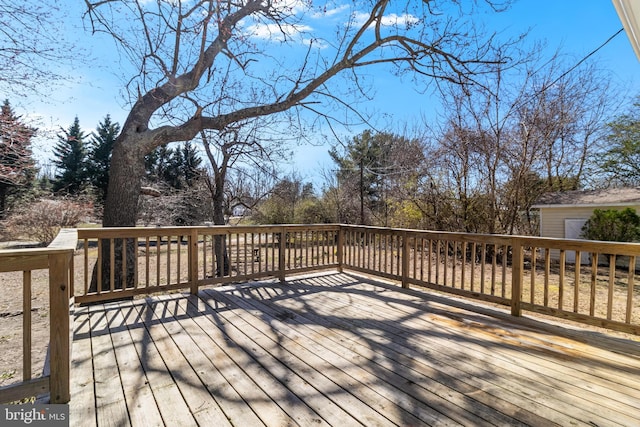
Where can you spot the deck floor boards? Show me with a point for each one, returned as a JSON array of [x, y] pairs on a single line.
[[341, 350]]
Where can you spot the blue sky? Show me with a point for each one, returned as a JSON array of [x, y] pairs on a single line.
[[574, 27]]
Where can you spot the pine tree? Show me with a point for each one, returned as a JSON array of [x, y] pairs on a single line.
[[177, 167], [17, 167], [70, 157], [99, 156], [190, 163]]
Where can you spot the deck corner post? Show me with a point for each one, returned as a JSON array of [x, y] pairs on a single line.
[[281, 255], [193, 261], [516, 277], [405, 260], [59, 326]]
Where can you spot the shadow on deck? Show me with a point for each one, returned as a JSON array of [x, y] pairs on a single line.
[[339, 349]]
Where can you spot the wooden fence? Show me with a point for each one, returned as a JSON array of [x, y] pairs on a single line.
[[57, 258]]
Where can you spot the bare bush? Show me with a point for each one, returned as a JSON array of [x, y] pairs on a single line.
[[42, 220]]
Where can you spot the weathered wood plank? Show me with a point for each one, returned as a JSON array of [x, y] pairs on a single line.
[[303, 377], [341, 350], [173, 408], [408, 383], [268, 397], [82, 404], [203, 361], [141, 405], [177, 349], [512, 373], [110, 402], [361, 380]]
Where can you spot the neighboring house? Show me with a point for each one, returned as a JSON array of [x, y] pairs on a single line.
[[563, 214]]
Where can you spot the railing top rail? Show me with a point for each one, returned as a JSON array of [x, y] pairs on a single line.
[[154, 231], [625, 248], [65, 241]]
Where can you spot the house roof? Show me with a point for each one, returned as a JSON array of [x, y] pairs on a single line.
[[629, 13], [626, 196]]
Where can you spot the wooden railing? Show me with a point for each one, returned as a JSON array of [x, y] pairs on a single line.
[[57, 258], [525, 273], [168, 258]]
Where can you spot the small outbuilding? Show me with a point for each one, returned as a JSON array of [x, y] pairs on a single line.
[[563, 214]]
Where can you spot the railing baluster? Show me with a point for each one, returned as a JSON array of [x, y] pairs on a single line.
[[493, 268], [547, 272], [112, 264], [505, 256], [630, 284], [534, 257], [612, 283], [576, 281], [158, 247], [85, 248], [463, 265], [594, 277], [563, 257], [123, 254], [482, 267], [473, 267], [26, 325]]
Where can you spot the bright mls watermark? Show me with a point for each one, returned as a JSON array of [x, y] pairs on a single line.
[[34, 415]]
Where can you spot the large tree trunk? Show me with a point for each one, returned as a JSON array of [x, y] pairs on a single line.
[[121, 210], [125, 181]]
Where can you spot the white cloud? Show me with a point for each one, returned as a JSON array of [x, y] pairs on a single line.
[[276, 32], [317, 43], [405, 20]]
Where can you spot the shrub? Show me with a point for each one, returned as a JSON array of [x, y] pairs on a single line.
[[613, 225], [42, 220]]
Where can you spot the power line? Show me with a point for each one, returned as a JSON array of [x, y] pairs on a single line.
[[586, 57]]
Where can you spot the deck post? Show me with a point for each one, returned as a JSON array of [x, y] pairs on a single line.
[[281, 255], [340, 250], [517, 262], [405, 259], [59, 326], [193, 261]]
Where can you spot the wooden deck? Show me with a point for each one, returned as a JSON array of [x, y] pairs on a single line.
[[337, 349]]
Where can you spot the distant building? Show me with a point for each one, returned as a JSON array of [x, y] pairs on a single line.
[[563, 214]]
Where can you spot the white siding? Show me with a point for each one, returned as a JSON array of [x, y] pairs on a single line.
[[552, 220]]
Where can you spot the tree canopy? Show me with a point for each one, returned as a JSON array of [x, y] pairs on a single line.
[[206, 65], [17, 167], [621, 161]]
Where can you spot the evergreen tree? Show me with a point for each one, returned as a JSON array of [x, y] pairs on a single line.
[[190, 163], [17, 168], [99, 156], [70, 157], [177, 168]]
